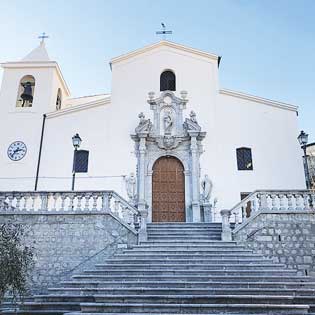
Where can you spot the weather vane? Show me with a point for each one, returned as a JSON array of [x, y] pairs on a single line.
[[43, 37], [164, 32]]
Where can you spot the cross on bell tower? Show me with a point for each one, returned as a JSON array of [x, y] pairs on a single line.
[[42, 37], [164, 32]]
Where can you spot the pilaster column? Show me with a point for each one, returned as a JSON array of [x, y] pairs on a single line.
[[142, 206], [195, 176]]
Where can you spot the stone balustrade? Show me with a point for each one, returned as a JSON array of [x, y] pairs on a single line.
[[273, 200], [70, 201]]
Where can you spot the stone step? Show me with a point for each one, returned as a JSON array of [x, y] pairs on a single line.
[[188, 246], [183, 277], [194, 308], [184, 237], [119, 313], [165, 298], [281, 284], [176, 291], [201, 250], [201, 234], [187, 255], [188, 266], [182, 225], [188, 272], [190, 242], [236, 261]]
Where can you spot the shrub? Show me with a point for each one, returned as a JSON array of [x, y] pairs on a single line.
[[16, 261]]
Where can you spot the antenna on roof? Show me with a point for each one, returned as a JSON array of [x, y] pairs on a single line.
[[163, 32]]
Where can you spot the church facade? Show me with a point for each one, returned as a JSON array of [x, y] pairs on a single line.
[[191, 144]]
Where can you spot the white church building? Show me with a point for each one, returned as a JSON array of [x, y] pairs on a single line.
[[166, 119]]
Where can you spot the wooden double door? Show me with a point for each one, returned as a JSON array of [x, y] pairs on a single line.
[[168, 190]]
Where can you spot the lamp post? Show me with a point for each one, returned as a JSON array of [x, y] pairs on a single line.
[[303, 139], [76, 141]]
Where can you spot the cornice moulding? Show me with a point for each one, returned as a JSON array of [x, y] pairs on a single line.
[[258, 99], [77, 108]]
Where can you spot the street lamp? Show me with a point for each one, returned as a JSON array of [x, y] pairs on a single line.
[[303, 139], [76, 141]]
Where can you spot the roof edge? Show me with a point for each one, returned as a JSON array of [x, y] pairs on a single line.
[[160, 44], [258, 99]]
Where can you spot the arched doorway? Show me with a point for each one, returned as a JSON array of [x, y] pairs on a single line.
[[168, 190]]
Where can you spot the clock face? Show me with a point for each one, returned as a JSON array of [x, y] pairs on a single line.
[[17, 150]]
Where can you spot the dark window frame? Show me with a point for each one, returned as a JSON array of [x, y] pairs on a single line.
[[167, 81], [244, 159]]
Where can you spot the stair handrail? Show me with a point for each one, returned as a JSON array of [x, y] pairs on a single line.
[[106, 201], [274, 200]]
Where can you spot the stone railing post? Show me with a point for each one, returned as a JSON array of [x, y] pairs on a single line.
[[106, 202], [226, 234], [143, 235]]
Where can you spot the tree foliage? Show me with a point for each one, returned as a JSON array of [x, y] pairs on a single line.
[[16, 261]]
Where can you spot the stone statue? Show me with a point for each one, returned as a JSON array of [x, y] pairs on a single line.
[[145, 125], [206, 188], [191, 123], [193, 117], [131, 187], [168, 121]]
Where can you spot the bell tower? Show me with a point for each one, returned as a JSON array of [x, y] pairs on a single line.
[[30, 88]]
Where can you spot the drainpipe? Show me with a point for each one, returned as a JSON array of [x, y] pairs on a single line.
[[40, 151]]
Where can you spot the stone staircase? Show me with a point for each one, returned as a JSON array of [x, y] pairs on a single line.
[[181, 269]]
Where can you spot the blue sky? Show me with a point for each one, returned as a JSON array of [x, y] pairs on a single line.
[[267, 46]]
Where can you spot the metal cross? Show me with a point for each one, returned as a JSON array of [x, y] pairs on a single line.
[[164, 32], [43, 37]]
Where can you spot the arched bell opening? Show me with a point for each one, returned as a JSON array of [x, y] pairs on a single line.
[[26, 89]]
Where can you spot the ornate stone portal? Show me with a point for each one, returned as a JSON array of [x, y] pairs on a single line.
[[168, 135]]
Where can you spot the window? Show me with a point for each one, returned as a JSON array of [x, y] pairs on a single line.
[[58, 100], [26, 92], [244, 159], [167, 81]]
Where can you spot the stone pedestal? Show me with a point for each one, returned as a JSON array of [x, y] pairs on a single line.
[[226, 234], [207, 212]]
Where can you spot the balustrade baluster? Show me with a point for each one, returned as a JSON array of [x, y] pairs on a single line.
[[63, 199], [2, 202], [306, 202], [259, 202], [274, 202], [11, 198], [25, 199], [298, 202], [282, 207], [290, 202], [71, 202], [253, 205], [18, 202], [94, 207], [79, 198], [55, 197], [116, 207], [87, 202]]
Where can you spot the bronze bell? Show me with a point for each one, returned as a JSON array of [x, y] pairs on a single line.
[[27, 95]]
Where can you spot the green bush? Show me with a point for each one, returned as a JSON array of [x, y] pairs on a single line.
[[16, 261]]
